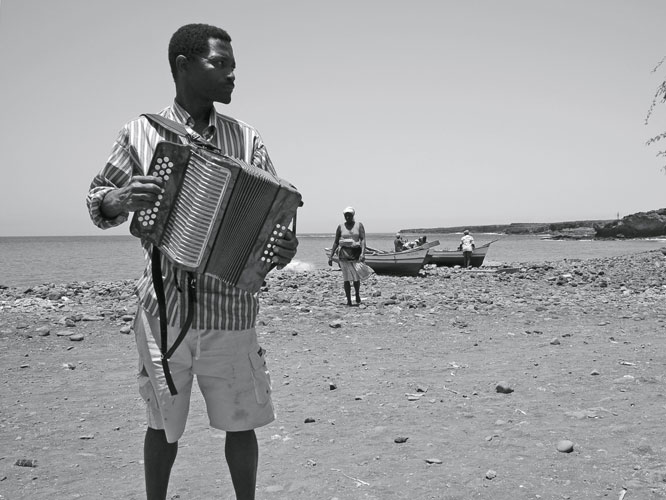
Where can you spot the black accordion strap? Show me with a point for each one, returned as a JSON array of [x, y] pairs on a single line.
[[170, 125], [158, 284]]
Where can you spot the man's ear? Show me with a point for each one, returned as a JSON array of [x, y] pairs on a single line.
[[181, 63]]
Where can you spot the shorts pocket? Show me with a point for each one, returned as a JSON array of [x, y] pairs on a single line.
[[260, 376], [146, 387]]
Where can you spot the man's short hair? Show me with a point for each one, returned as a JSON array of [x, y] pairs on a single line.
[[192, 40]]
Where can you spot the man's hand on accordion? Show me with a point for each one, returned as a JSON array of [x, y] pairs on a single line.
[[285, 249], [141, 192]]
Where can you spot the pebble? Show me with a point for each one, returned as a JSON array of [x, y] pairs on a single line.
[[491, 474], [77, 337], [565, 446], [503, 388], [26, 462], [401, 439], [43, 331], [436, 461]]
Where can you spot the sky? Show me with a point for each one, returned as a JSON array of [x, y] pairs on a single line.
[[419, 114]]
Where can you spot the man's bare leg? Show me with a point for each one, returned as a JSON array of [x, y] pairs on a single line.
[[158, 458], [242, 454]]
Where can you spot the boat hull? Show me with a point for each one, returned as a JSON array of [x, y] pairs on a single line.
[[405, 263], [451, 258]]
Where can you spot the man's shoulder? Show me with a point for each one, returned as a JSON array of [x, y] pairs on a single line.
[[230, 121]]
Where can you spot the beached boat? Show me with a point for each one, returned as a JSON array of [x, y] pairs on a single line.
[[452, 258], [406, 263]]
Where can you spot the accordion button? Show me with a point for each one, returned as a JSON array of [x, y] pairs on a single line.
[[284, 228], [166, 158], [151, 222], [157, 203], [166, 177], [168, 170], [280, 235], [159, 196], [170, 164], [144, 223], [159, 160]]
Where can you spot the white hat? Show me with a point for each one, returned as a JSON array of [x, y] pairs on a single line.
[[349, 210]]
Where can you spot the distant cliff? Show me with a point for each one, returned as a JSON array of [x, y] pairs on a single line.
[[638, 225], [585, 226]]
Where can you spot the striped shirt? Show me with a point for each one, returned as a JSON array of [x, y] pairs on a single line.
[[218, 305]]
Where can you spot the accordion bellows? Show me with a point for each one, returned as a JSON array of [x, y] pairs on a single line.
[[216, 214]]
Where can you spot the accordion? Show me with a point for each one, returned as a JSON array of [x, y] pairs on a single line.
[[216, 215]]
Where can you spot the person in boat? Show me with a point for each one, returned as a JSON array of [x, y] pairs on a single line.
[[467, 247], [421, 241], [350, 244], [220, 347], [398, 243]]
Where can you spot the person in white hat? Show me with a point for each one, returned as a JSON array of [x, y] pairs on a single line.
[[350, 240]]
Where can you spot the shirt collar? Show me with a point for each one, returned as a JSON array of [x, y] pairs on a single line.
[[184, 117]]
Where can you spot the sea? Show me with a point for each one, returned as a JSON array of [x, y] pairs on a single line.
[[29, 261]]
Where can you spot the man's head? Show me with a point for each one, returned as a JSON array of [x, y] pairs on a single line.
[[465, 231], [202, 61]]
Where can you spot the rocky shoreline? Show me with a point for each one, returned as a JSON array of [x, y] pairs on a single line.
[[541, 379], [111, 300], [577, 281]]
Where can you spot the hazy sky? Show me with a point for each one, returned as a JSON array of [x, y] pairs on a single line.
[[417, 113]]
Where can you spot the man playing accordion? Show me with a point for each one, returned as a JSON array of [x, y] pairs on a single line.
[[220, 347]]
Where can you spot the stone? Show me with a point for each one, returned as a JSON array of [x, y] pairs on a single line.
[[43, 331], [77, 337], [26, 462], [565, 446], [503, 388]]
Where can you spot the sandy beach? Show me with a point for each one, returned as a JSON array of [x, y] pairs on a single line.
[[451, 385]]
